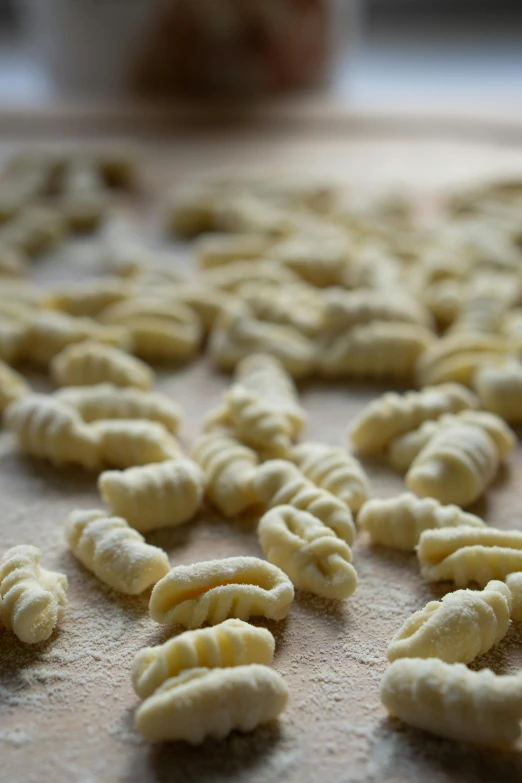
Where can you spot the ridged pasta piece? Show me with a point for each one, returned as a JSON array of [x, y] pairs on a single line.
[[258, 425], [489, 297], [399, 522], [464, 555], [456, 466], [403, 450], [376, 350], [307, 551], [298, 305], [229, 468], [215, 590], [106, 401], [514, 583], [499, 388], [49, 429], [335, 470], [13, 386], [32, 599], [393, 414], [464, 625], [279, 482], [449, 700], [202, 703], [87, 298], [444, 299], [319, 261], [91, 363], [231, 643], [456, 357], [345, 309], [164, 494], [215, 250], [116, 553], [235, 274], [125, 443], [207, 303]]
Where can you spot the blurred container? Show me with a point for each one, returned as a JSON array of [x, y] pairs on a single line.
[[166, 47]]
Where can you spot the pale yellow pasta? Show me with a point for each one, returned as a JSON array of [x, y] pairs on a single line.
[[125, 443], [106, 401], [215, 250], [321, 262], [85, 201], [229, 469], [235, 274], [345, 309], [258, 425], [279, 482], [207, 303], [456, 466], [87, 298], [122, 251], [49, 429], [335, 470], [299, 305], [463, 555], [457, 629], [456, 357], [90, 363], [444, 299], [449, 700], [32, 600], [163, 494], [12, 340], [215, 590], [376, 350], [399, 522], [499, 388], [489, 296], [116, 553], [13, 386], [514, 583], [231, 643], [201, 703], [36, 229], [307, 551]]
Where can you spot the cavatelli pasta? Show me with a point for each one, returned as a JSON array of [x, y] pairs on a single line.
[[125, 443], [335, 470], [13, 386], [499, 387], [91, 363]]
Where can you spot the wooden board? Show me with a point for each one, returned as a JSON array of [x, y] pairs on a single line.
[[66, 706]]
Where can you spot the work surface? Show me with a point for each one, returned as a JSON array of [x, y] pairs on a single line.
[[66, 706]]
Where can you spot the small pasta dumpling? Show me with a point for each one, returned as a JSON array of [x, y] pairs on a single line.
[[236, 273], [499, 387], [514, 582], [116, 553], [231, 643], [310, 553], [215, 590], [87, 298], [345, 309], [13, 385], [90, 363], [456, 358], [464, 625], [335, 470], [125, 443], [258, 425], [208, 303], [164, 494], [32, 600], [298, 305], [320, 261], [215, 250], [201, 703]]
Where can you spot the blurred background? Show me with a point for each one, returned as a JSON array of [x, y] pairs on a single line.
[[364, 51]]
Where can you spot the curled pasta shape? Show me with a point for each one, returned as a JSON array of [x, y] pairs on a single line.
[[231, 643], [457, 356], [163, 494], [394, 414], [202, 703], [295, 304], [229, 469], [49, 429], [345, 309], [106, 401], [499, 388], [307, 551], [13, 386], [90, 363], [215, 590], [321, 262], [234, 274], [125, 443], [335, 470], [465, 554], [449, 700], [88, 298], [215, 250], [207, 303], [279, 483], [465, 624], [32, 599], [456, 465], [514, 583], [258, 425], [116, 553], [399, 522], [376, 350]]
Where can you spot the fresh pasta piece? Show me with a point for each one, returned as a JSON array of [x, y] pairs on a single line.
[[116, 553], [233, 275], [393, 414], [345, 309], [376, 350], [307, 551], [399, 522], [279, 482], [106, 401], [215, 250], [13, 386], [85, 201], [87, 298], [32, 599], [456, 357], [207, 303], [298, 305], [47, 428], [499, 388], [125, 443], [456, 466], [320, 261], [464, 625], [231, 643], [259, 426], [215, 590], [201, 703], [90, 363], [514, 583], [449, 700], [229, 468], [163, 494], [335, 470], [465, 555]]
